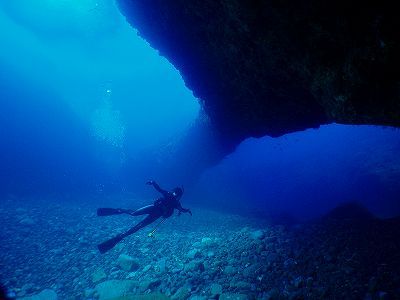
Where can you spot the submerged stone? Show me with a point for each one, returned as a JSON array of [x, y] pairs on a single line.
[[216, 289], [195, 297], [114, 288], [146, 268], [127, 263], [257, 235], [150, 284], [197, 245], [98, 275], [151, 296], [181, 293], [207, 242], [193, 265], [193, 253], [46, 294], [229, 270], [233, 297], [161, 265], [88, 293], [241, 285]]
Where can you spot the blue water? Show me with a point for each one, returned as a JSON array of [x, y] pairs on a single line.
[[308, 173], [82, 95], [89, 112], [85, 100]]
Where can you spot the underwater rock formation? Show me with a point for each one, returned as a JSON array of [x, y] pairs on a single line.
[[274, 67], [350, 210]]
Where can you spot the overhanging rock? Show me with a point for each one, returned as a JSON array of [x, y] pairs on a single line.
[[274, 67]]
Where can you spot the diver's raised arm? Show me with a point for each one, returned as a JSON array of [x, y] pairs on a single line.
[[157, 187], [181, 209]]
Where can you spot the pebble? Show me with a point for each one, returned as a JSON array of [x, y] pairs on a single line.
[[229, 270], [237, 265], [127, 263], [46, 294], [193, 253], [98, 275], [257, 235], [216, 289]]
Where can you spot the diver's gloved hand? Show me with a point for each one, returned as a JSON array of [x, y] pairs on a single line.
[[150, 182], [190, 212]]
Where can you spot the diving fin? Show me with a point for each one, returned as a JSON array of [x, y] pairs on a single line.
[[109, 244]]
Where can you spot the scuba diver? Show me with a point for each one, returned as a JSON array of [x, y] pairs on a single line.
[[162, 207]]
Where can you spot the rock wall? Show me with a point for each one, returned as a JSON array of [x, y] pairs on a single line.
[[274, 67]]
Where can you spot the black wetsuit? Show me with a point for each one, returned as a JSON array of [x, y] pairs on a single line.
[[162, 207]]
